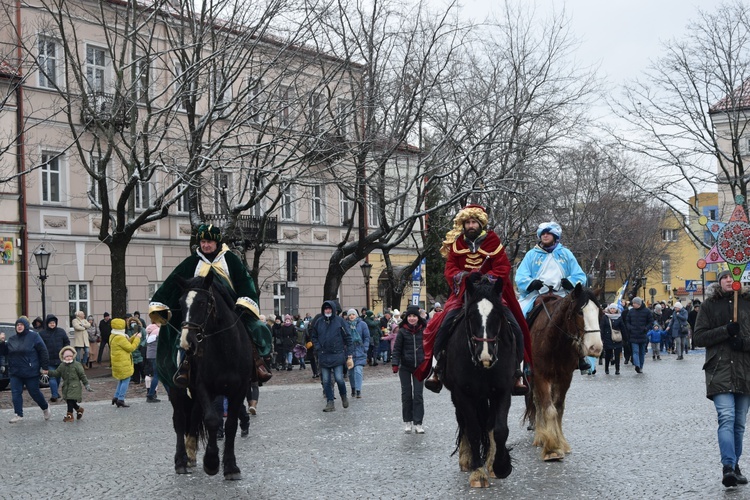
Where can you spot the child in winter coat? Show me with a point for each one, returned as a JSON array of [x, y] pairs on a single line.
[[655, 336], [74, 379]]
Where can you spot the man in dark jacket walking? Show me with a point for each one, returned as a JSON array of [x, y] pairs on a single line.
[[727, 366], [332, 341], [373, 324], [105, 330], [639, 320], [55, 338]]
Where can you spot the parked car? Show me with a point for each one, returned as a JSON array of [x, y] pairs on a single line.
[[8, 329]]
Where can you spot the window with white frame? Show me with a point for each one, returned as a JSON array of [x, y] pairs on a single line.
[[317, 207], [221, 91], [284, 116], [343, 118], [669, 234], [181, 86], [153, 287], [279, 296], [373, 207], [94, 191], [51, 173], [223, 185], [254, 100], [315, 114], [183, 206], [96, 68], [143, 79], [78, 298], [666, 269], [142, 193], [48, 61], [345, 210], [288, 212]]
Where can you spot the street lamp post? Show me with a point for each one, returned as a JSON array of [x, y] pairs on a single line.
[[42, 261], [366, 268]]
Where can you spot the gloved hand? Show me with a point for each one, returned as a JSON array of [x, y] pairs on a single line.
[[733, 329], [737, 344], [534, 286], [566, 284], [88, 388], [395, 368], [2, 369]]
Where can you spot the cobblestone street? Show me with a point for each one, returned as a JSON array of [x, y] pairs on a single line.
[[633, 436]]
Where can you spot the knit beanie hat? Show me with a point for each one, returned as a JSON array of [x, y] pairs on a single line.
[[352, 311]]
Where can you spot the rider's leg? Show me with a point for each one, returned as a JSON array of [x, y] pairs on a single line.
[[182, 377], [519, 389], [441, 341]]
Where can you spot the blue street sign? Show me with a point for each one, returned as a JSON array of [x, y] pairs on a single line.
[[691, 285]]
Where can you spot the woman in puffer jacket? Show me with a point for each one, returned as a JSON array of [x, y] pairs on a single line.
[[121, 347]]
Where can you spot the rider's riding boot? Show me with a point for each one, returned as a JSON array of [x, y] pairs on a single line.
[[433, 383], [583, 364], [261, 372], [520, 388], [182, 377]]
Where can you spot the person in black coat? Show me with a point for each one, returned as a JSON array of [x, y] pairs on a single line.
[[407, 355], [105, 330], [55, 338], [640, 319]]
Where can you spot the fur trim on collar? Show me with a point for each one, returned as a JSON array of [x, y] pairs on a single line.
[[713, 292]]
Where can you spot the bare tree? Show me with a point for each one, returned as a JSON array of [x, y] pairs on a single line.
[[688, 113], [154, 108]]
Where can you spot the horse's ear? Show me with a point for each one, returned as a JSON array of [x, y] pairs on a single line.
[[181, 282], [498, 286], [470, 282], [208, 280]]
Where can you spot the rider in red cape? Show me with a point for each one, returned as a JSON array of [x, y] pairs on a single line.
[[468, 247]]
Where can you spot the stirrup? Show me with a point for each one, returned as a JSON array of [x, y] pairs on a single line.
[[433, 383], [583, 364], [182, 377]]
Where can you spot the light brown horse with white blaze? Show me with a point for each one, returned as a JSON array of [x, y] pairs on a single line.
[[562, 332]]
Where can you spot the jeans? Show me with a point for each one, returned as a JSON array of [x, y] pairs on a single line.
[[154, 378], [289, 358], [54, 383], [639, 354], [732, 412], [678, 347], [338, 375], [122, 388], [83, 355], [412, 401], [355, 378], [32, 385]]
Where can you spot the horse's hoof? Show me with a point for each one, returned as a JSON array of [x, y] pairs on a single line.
[[233, 476], [210, 471], [464, 468], [181, 469], [530, 427], [554, 457], [479, 479], [191, 462]]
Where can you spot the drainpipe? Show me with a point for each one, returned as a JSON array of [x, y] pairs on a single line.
[[21, 163]]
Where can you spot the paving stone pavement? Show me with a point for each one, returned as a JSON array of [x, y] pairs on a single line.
[[633, 436]]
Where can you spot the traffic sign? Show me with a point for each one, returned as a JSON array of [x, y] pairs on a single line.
[[691, 285]]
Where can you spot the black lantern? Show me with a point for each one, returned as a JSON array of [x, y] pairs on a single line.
[[366, 268], [42, 261]]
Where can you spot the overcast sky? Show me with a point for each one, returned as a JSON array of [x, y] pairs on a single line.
[[618, 36]]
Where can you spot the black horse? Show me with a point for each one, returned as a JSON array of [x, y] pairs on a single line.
[[221, 361], [479, 369]]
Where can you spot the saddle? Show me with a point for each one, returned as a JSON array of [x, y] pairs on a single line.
[[539, 303]]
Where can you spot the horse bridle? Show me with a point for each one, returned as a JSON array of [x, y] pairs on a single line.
[[575, 339], [201, 329], [472, 339]]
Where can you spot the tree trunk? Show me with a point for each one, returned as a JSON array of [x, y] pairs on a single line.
[[119, 288]]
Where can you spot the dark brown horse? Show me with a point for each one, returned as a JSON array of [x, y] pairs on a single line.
[[563, 331], [480, 363]]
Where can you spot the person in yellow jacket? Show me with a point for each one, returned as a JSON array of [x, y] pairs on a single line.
[[120, 347]]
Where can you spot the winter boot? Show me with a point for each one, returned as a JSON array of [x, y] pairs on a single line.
[[68, 417], [79, 412], [329, 407]]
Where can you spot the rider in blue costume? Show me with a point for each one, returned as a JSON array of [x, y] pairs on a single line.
[[548, 267], [231, 272]]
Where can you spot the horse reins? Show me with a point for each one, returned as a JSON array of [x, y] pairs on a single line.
[[201, 329], [575, 339]]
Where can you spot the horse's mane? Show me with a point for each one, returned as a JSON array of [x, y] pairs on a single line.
[[219, 289]]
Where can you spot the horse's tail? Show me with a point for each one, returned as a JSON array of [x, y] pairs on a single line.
[[529, 415]]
